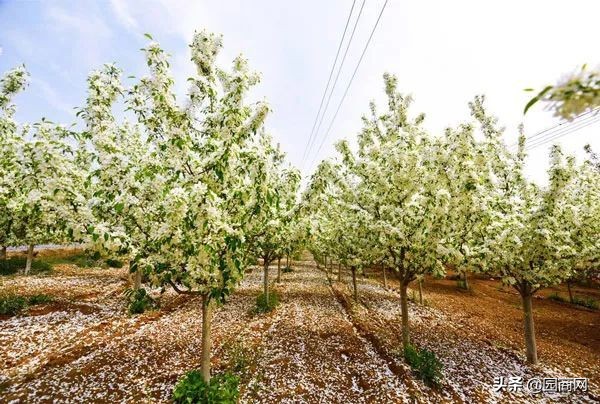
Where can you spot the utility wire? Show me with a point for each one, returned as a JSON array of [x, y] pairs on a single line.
[[337, 76], [337, 54], [565, 132], [552, 134], [555, 127], [349, 84]]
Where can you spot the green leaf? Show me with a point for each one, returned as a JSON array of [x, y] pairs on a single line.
[[530, 104], [147, 35], [119, 207], [536, 98]]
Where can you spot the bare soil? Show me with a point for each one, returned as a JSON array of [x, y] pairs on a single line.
[[318, 345]]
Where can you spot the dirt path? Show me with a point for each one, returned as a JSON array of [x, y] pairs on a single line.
[[313, 353]]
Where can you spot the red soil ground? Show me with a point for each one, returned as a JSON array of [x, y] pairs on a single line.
[[317, 346]]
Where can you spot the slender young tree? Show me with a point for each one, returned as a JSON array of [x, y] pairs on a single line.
[[397, 181], [13, 82], [188, 207], [530, 234]]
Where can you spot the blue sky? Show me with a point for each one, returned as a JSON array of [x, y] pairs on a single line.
[[444, 53]]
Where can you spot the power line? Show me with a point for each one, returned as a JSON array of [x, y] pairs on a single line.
[[337, 54], [337, 76], [552, 128], [349, 84], [559, 131], [564, 132]]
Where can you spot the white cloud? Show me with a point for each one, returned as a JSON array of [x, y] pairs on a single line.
[[52, 97], [80, 22], [123, 14]]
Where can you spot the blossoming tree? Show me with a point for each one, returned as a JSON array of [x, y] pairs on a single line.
[[11, 84], [397, 181], [530, 235], [187, 199]]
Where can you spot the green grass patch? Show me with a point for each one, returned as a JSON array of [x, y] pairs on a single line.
[[425, 364], [192, 388], [114, 263], [264, 306], [85, 259], [12, 305], [586, 302], [287, 270], [556, 297], [13, 265]]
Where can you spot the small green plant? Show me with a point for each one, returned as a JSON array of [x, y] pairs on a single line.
[[425, 364], [287, 270], [411, 355], [139, 300], [114, 263], [39, 299], [240, 359], [264, 306], [12, 305], [586, 302], [13, 265], [556, 297], [192, 388]]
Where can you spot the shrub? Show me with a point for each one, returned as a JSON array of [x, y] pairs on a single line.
[[39, 299], [114, 263], [262, 306], [425, 364], [12, 265], [586, 302], [12, 305], [411, 355], [85, 260], [556, 297], [192, 388], [287, 269], [139, 300], [240, 359]]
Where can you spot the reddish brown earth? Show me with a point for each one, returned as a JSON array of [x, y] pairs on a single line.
[[317, 346]]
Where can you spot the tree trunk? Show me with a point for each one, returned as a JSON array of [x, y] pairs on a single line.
[[529, 329], [206, 320], [3, 253], [339, 272], [29, 259], [287, 260], [266, 280], [404, 308], [421, 292], [384, 276], [353, 269], [278, 269], [137, 280], [570, 292]]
